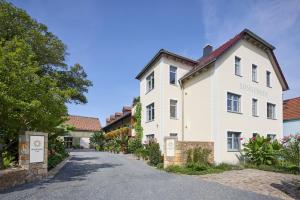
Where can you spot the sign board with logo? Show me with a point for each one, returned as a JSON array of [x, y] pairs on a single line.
[[37, 144], [170, 147]]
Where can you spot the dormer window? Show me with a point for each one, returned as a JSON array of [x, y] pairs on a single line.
[[237, 65], [150, 82]]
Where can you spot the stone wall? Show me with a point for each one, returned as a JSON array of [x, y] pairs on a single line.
[[180, 151], [27, 171]]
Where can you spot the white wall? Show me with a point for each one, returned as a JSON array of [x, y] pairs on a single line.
[[291, 127]]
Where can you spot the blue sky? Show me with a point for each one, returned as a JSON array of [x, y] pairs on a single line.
[[114, 40]]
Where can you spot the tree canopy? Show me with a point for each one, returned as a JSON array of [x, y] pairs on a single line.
[[35, 81]]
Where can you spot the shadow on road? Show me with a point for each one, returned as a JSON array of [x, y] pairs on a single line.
[[291, 188], [76, 170]]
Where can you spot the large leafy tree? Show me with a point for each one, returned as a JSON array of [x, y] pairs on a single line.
[[35, 81]]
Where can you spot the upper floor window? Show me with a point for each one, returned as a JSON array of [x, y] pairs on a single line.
[[173, 109], [254, 73], [272, 137], [233, 102], [254, 107], [268, 78], [233, 141], [237, 67], [173, 134], [150, 112], [173, 75], [149, 137], [150, 82], [271, 111]]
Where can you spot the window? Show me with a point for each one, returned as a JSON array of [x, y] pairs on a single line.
[[173, 75], [254, 73], [173, 109], [271, 111], [254, 107], [254, 134], [173, 134], [150, 112], [68, 142], [268, 77], [149, 137], [233, 141], [272, 137], [233, 102], [150, 82], [237, 66]]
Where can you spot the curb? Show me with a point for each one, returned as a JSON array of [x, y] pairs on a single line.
[[56, 169]]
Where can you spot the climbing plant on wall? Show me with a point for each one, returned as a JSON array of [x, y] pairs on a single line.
[[138, 116]]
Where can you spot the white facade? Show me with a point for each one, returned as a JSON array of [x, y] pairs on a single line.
[[202, 113]]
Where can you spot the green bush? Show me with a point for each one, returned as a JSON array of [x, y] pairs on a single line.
[[198, 155], [8, 159], [134, 144], [291, 149], [153, 152], [262, 151], [98, 141], [57, 152]]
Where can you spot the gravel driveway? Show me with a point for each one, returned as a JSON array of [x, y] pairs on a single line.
[[98, 175]]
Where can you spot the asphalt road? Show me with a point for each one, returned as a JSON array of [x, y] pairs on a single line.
[[98, 175]]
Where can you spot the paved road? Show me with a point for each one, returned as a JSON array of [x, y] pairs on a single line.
[[97, 175]]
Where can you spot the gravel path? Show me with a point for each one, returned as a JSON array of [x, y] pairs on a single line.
[[98, 175]]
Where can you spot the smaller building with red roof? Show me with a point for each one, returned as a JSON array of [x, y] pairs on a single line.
[[83, 129], [291, 116]]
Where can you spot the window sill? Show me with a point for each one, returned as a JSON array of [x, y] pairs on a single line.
[[269, 86], [271, 118], [233, 150], [175, 85], [175, 118], [238, 75], [149, 91], [254, 81], [234, 112], [150, 121], [255, 115]]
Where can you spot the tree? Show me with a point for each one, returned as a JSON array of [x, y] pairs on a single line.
[[35, 81]]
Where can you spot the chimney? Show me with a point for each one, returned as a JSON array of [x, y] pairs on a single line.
[[107, 120], [118, 114], [207, 50]]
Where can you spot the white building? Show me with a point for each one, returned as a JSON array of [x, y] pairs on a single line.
[[230, 94]]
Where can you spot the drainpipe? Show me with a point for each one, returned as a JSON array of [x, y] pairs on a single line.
[[182, 110]]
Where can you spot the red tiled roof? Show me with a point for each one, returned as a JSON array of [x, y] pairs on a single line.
[[84, 123], [291, 109]]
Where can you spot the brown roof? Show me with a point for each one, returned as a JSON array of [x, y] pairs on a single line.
[[84, 123], [291, 109]]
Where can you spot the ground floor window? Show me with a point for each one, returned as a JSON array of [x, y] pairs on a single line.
[[68, 142], [149, 137], [233, 141], [271, 136], [173, 134], [254, 134]]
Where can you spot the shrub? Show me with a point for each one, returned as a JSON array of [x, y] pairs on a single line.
[[154, 152], [198, 155], [8, 159], [98, 140], [291, 149], [134, 144], [197, 166], [262, 151], [57, 153]]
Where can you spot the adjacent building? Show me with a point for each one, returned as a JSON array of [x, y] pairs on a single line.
[[228, 95], [291, 116], [84, 128], [119, 120]]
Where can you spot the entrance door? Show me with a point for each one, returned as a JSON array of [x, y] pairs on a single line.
[[68, 142]]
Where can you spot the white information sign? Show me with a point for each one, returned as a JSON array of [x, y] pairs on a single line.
[[170, 145], [36, 149]]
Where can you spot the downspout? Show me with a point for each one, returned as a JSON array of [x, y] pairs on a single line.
[[182, 110]]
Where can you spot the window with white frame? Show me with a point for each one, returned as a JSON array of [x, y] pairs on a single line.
[[173, 134], [254, 73], [268, 78], [237, 66], [233, 141], [173, 109], [150, 82], [173, 75], [271, 112], [150, 112], [254, 108], [272, 137], [149, 137], [233, 102]]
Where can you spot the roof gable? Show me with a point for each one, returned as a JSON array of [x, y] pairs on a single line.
[[249, 36]]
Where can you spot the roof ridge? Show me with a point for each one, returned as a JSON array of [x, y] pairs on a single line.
[[82, 116]]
